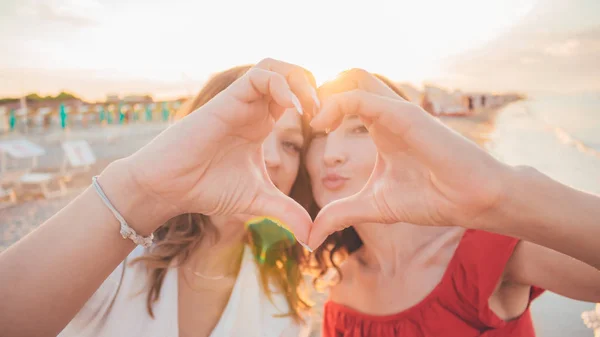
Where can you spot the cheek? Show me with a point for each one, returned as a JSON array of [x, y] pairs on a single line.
[[365, 156], [290, 166], [313, 158], [313, 162]]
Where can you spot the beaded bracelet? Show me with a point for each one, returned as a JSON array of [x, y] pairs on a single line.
[[126, 231]]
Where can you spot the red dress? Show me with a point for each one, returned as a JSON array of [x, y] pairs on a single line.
[[457, 306]]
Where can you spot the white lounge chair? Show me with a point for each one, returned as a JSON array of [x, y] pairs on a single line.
[[16, 151], [42, 181], [8, 197], [23, 179], [20, 149], [79, 158]]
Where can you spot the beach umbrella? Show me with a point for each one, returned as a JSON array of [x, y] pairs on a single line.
[[165, 112], [109, 117], [136, 114], [63, 116], [101, 114], [121, 114], [148, 112], [110, 114], [12, 119]]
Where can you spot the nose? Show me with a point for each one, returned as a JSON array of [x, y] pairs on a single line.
[[270, 152], [335, 151]]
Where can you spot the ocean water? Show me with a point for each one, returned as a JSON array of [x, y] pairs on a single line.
[[577, 116], [560, 136]]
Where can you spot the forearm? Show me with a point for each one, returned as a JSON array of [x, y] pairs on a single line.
[[50, 274], [541, 210]]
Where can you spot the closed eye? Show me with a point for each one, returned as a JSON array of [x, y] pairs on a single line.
[[360, 129], [291, 146]]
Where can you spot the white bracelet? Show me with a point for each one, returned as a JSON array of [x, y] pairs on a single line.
[[126, 231]]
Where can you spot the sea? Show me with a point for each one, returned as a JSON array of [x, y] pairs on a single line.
[[560, 136]]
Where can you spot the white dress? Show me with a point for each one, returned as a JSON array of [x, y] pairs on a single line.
[[118, 308]]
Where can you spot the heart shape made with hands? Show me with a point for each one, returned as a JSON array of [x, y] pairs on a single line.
[[370, 204], [424, 173], [354, 209]]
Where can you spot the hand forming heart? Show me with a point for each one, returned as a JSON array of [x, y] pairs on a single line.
[[424, 173], [213, 163]]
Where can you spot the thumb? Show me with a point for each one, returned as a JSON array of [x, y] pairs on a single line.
[[285, 211], [343, 213]]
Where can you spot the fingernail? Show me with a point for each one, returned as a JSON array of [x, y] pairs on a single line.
[[304, 245], [315, 98], [297, 104], [327, 130]]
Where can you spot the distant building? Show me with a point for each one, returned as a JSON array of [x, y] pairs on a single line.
[[112, 98], [32, 105], [130, 99], [133, 99]]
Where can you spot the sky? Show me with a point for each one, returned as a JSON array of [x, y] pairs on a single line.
[[168, 48]]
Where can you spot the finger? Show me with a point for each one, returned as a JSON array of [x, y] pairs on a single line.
[[335, 86], [434, 144], [392, 89], [341, 214], [301, 85], [273, 84], [285, 211], [357, 102], [357, 79], [301, 81]]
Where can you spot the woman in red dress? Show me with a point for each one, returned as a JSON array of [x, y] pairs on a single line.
[[408, 280]]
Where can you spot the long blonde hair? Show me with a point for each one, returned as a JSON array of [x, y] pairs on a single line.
[[177, 239]]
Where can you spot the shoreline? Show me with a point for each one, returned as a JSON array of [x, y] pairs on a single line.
[[478, 127]]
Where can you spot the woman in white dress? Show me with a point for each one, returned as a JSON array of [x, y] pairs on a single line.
[[212, 275]]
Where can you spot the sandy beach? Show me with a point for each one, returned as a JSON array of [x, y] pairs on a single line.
[[108, 144], [554, 316], [477, 128]]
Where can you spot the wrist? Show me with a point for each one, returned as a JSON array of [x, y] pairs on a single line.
[[143, 211], [521, 202]]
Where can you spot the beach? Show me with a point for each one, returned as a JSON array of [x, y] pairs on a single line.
[[108, 143], [513, 133], [559, 137]]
